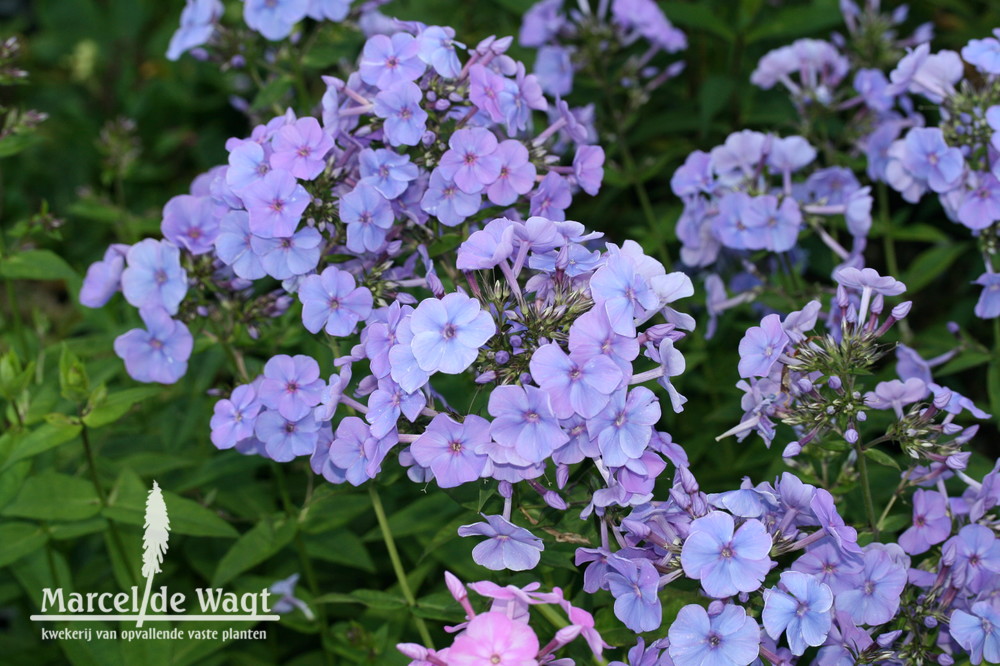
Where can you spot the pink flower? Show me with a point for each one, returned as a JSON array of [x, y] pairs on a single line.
[[493, 638]]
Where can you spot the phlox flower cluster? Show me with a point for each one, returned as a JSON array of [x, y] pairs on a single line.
[[584, 38], [956, 158], [502, 633], [797, 377], [200, 21], [344, 211]]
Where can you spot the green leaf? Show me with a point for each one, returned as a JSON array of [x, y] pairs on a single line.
[[272, 93], [18, 539], [52, 496], [379, 599], [16, 142], [881, 457], [265, 539], [73, 382], [115, 405], [41, 439], [964, 361], [127, 504], [931, 264], [698, 17], [420, 516], [797, 21], [36, 265], [893, 524], [445, 243], [341, 547], [993, 385]]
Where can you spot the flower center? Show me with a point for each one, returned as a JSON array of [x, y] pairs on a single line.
[[714, 639], [448, 332], [532, 417], [456, 446], [161, 276], [277, 205], [726, 552]]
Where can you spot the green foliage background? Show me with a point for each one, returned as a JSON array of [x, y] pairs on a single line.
[[240, 521]]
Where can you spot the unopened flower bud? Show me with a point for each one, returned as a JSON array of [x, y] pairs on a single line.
[[501, 357], [861, 416], [945, 659], [793, 449], [413, 651], [505, 489], [851, 435], [553, 499], [835, 383], [901, 310], [878, 303], [455, 586]]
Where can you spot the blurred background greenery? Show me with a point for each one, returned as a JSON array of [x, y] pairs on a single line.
[[126, 130]]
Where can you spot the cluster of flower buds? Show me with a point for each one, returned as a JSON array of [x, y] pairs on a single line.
[[812, 382], [586, 38]]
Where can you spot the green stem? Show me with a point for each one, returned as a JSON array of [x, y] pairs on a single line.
[[116, 537], [643, 196], [397, 564], [304, 560], [866, 489], [889, 247]]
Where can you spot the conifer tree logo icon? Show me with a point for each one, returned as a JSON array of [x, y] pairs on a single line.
[[154, 542]]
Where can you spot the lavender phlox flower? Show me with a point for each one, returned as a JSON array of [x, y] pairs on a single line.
[[284, 438], [634, 584], [974, 556], [405, 120], [275, 203], [929, 158], [574, 383], [447, 202], [274, 18], [931, 522], [729, 638], [624, 427], [875, 596], [104, 277], [449, 448], [285, 257], [552, 197], [448, 332], [978, 632], [153, 275], [291, 385], [896, 394], [801, 607], [762, 346], [158, 354], [470, 160], [331, 300], [387, 60], [233, 417], [197, 25], [507, 546], [191, 223], [437, 49], [622, 292], [368, 216], [524, 421], [724, 559]]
